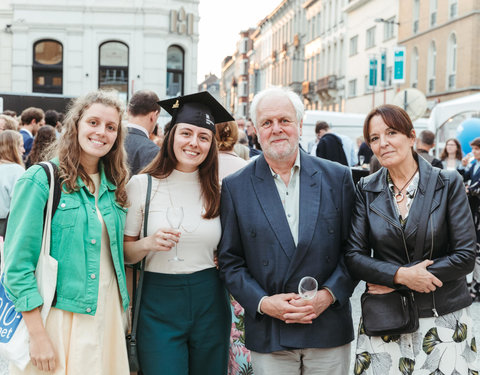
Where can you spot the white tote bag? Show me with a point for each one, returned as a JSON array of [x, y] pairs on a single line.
[[14, 340]]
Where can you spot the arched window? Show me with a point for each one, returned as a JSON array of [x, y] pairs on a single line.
[[175, 71], [113, 67], [414, 68], [451, 61], [47, 67], [432, 60]]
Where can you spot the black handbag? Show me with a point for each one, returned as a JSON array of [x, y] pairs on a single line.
[[131, 338], [389, 314], [396, 312]]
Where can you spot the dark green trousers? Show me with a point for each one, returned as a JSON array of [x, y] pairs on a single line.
[[184, 324]]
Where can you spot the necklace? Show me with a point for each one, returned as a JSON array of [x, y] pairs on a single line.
[[399, 195]]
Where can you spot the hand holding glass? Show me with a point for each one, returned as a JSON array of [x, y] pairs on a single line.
[[307, 287], [174, 218]]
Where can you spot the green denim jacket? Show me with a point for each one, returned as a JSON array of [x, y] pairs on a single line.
[[75, 243]]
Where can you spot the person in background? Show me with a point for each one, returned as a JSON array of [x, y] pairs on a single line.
[[45, 138], [241, 124], [51, 118], [8, 123], [11, 168], [143, 112], [10, 113], [388, 207], [84, 331], [424, 143], [157, 135], [364, 152], [32, 119], [241, 148], [471, 177], [255, 148], [330, 145], [452, 155], [61, 118], [229, 162], [184, 320], [226, 134], [295, 226]]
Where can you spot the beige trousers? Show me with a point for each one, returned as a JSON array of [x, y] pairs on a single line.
[[330, 361]]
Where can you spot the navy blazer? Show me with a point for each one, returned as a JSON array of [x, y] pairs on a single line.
[[140, 150], [258, 256]]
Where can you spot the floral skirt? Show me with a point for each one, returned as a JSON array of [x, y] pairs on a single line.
[[441, 346], [239, 362]]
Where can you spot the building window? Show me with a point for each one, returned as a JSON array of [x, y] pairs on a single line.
[[244, 67], [453, 8], [175, 71], [47, 67], [389, 76], [432, 59], [244, 45], [354, 45], [352, 88], [451, 61], [414, 68], [370, 41], [243, 88], [388, 30], [368, 88], [433, 12], [416, 15], [113, 68]]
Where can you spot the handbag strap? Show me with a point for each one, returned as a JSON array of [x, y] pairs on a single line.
[[427, 204], [138, 296]]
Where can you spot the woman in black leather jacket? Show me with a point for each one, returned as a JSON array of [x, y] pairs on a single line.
[[387, 212]]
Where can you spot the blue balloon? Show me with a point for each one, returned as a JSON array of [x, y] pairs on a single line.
[[467, 131]]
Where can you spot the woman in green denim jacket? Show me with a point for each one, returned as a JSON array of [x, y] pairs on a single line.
[[84, 330]]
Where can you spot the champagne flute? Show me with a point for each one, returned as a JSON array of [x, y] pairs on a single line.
[[361, 160], [307, 287], [174, 218]]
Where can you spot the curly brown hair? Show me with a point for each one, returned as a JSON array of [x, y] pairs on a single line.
[[226, 135], [165, 162], [69, 150]]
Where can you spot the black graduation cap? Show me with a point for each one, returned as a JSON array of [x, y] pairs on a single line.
[[200, 109]]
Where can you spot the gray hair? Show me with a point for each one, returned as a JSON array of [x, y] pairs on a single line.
[[277, 91]]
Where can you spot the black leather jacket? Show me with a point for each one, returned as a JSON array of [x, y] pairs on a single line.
[[449, 241]]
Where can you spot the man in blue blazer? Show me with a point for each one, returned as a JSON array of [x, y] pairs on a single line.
[[284, 216], [143, 112]]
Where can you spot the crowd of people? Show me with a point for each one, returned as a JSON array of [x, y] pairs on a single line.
[[228, 217]]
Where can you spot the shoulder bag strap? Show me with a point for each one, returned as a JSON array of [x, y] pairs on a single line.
[[427, 204], [138, 296]]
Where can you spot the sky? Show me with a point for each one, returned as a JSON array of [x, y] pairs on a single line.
[[220, 24]]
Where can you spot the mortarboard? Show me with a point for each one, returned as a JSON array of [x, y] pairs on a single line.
[[200, 109]]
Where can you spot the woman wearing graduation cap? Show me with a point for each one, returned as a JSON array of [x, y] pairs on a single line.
[[184, 320]]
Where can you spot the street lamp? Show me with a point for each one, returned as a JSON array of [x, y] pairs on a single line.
[[386, 21]]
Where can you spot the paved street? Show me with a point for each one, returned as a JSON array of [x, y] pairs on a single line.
[[356, 317]]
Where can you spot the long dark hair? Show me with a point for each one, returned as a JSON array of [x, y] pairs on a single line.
[[165, 162], [43, 140], [458, 153]]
